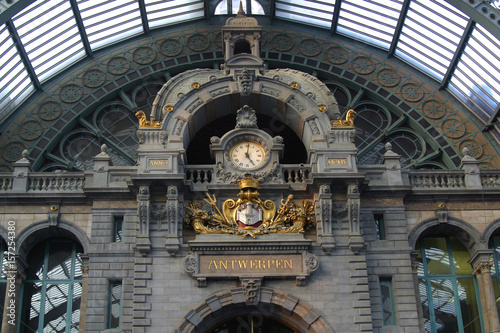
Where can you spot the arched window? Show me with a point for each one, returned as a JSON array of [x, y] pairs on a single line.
[[52, 290], [225, 7], [448, 290]]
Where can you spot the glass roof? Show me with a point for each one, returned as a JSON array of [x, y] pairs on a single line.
[[39, 39]]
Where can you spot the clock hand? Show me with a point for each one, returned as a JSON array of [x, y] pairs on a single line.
[[248, 155]]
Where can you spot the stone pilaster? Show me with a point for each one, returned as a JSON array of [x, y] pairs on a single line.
[[15, 277], [414, 269], [482, 271], [172, 242], [353, 204], [324, 219], [85, 288], [143, 242]]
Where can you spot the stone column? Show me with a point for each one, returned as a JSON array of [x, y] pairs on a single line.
[[83, 299], [490, 314], [15, 277]]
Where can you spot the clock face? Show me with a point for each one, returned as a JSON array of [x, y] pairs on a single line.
[[247, 155]]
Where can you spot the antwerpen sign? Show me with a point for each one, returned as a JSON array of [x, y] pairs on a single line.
[[218, 266], [236, 265]]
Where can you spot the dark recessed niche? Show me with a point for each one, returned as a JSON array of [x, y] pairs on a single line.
[[198, 151]]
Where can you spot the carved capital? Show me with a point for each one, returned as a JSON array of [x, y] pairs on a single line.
[[484, 267]]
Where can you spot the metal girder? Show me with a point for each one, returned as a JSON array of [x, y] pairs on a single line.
[[399, 27], [335, 18], [458, 53], [144, 16], [81, 28], [22, 53]]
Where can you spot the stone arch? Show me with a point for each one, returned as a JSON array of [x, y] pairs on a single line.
[[295, 98], [274, 303], [42, 230], [490, 231], [463, 231]]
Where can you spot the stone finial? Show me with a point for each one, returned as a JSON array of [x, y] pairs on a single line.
[[466, 155], [241, 12], [24, 158], [388, 151], [104, 149]]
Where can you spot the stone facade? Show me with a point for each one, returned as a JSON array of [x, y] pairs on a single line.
[[344, 256]]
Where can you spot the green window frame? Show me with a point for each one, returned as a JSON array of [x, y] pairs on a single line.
[[51, 293], [448, 290], [387, 306], [379, 226], [495, 269], [115, 304], [118, 229]]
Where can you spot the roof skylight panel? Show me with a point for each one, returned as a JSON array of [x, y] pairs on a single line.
[[161, 13], [108, 22], [15, 83], [318, 13], [372, 21], [430, 36], [50, 36], [476, 76]]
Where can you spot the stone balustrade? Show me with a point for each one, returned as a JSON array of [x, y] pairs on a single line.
[[490, 178], [47, 181], [437, 179]]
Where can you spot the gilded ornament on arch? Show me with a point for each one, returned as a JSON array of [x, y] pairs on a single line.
[[348, 122], [195, 85], [322, 107], [168, 108], [294, 85], [249, 215], [144, 123]]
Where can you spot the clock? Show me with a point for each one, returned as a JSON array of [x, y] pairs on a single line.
[[247, 155]]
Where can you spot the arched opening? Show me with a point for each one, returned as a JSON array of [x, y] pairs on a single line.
[[198, 151], [51, 293], [242, 46], [448, 290], [226, 310], [252, 323]]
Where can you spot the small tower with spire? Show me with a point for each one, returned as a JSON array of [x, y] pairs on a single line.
[[241, 35]]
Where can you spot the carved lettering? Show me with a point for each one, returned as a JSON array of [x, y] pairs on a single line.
[[337, 161], [154, 163], [250, 264]]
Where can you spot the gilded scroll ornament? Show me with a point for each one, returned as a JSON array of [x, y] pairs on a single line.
[[144, 123], [348, 122], [249, 215]]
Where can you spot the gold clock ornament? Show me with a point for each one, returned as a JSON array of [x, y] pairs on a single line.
[[247, 155]]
